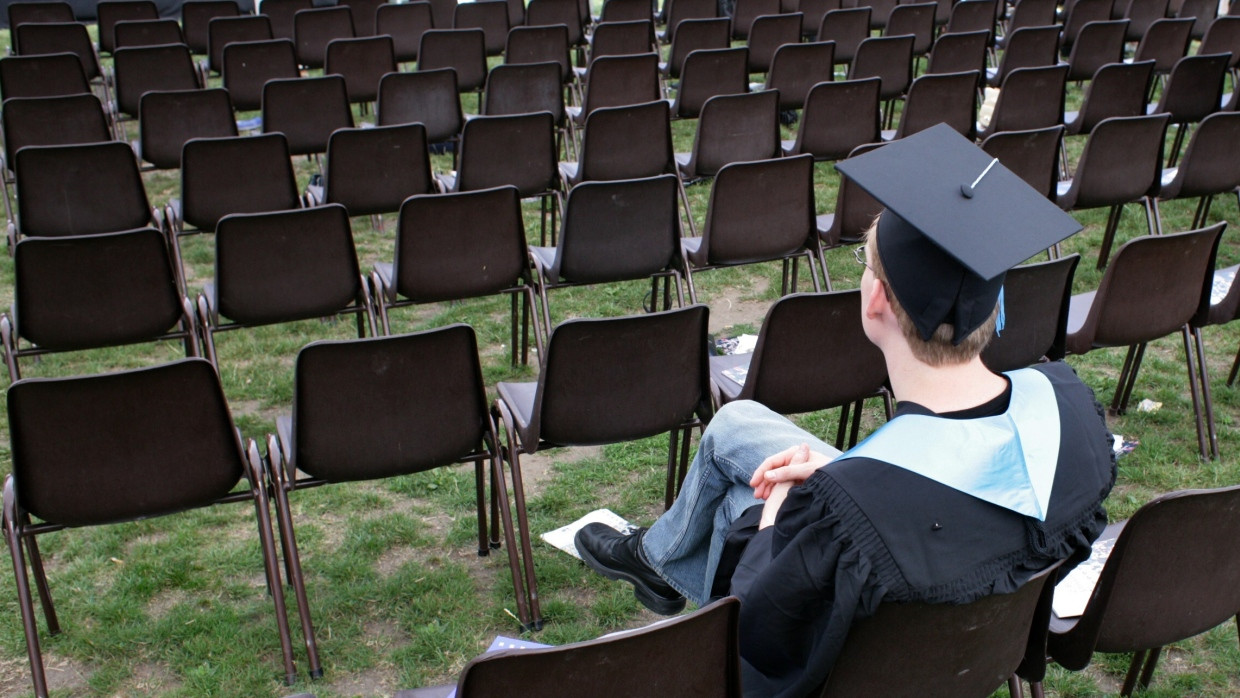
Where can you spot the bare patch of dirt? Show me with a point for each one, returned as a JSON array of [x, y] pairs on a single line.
[[536, 468], [382, 636], [149, 679], [64, 676], [163, 602], [735, 306]]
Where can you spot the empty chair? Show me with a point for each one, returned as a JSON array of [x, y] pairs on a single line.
[[678, 11], [280, 267], [746, 11], [379, 408], [147, 33], [838, 117], [1164, 581], [1034, 13], [758, 211], [168, 119], [315, 28], [1209, 167], [620, 39], [854, 213], [151, 68], [1193, 92], [1121, 164], [1029, 47], [617, 230], [797, 68], [1033, 155], [971, 16], [1223, 36], [1097, 44], [175, 413], [196, 16], [548, 13], [461, 245], [707, 73], [491, 16], [1035, 309], [889, 58], [109, 12], [371, 171], [1140, 15], [405, 23], [767, 35], [52, 37], [463, 50], [949, 98], [34, 12], [1165, 43], [362, 62], [953, 53], [210, 188], [625, 11], [623, 143], [732, 128], [223, 31], [540, 45], [363, 13], [916, 19], [88, 291], [1118, 89], [281, 13], [847, 27], [1155, 285], [248, 65], [778, 376], [603, 381], [306, 111], [1030, 98], [524, 88], [812, 12], [51, 75], [692, 35], [428, 97], [614, 81]]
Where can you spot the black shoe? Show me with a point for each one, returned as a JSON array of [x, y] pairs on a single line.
[[618, 556]]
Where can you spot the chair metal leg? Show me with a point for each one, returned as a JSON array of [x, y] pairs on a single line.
[[520, 560], [40, 583], [1150, 665], [841, 431], [1193, 386], [13, 536], [1108, 238], [292, 568], [856, 422], [1203, 211], [1134, 669], [1235, 366], [1014, 689], [1207, 398]]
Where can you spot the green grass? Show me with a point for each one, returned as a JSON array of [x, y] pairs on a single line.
[[176, 606]]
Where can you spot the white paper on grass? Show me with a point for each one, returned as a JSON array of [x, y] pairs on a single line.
[[562, 537], [1073, 592]]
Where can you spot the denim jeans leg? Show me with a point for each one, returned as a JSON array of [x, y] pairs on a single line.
[[685, 543]]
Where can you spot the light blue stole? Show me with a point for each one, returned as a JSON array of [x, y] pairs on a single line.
[[1008, 459]]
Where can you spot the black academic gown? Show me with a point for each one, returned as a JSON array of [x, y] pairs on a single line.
[[860, 532]]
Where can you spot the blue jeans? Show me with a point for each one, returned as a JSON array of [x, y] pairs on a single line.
[[684, 545]]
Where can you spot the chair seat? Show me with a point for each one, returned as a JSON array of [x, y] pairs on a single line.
[[384, 270], [1217, 316], [682, 160], [1078, 310], [427, 692], [447, 180], [568, 171], [1168, 175], [788, 147], [728, 388], [544, 258], [690, 247], [824, 222], [520, 399]]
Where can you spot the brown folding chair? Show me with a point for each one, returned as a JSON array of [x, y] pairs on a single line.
[[838, 117], [88, 291], [463, 50], [1117, 89], [405, 23], [109, 12], [281, 13], [767, 35], [1165, 43], [248, 65], [456, 246], [223, 31], [1031, 98], [540, 45], [315, 28], [1154, 287], [151, 68], [603, 381], [1140, 15], [847, 27], [522, 88], [1027, 13], [732, 128], [916, 19], [151, 32], [693, 35], [1096, 44], [953, 53], [889, 58], [778, 375], [363, 62], [708, 73], [971, 16], [379, 408], [196, 16], [678, 11], [1211, 166], [51, 75], [173, 414], [491, 16], [167, 120], [744, 13], [371, 171], [614, 81], [427, 97], [1193, 92], [1028, 47], [1033, 155], [949, 98], [306, 111], [812, 12], [795, 70], [35, 12], [1035, 309], [363, 13], [855, 211]]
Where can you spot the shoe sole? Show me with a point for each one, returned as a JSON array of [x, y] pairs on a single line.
[[648, 598]]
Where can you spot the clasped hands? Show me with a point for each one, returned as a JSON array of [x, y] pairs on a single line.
[[778, 473]]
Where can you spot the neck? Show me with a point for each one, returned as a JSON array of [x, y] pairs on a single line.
[[942, 389]]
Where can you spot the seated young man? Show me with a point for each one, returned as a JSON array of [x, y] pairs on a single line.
[[978, 482]]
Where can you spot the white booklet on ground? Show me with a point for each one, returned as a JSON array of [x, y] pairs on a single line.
[[562, 537]]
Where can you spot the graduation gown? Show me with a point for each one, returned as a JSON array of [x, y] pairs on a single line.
[[860, 532]]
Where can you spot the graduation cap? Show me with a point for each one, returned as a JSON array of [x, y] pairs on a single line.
[[955, 221]]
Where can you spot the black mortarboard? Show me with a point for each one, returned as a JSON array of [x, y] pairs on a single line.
[[961, 220]]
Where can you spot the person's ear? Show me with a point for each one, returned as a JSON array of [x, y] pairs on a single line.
[[877, 303]]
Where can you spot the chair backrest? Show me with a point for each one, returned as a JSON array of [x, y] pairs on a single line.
[[625, 11], [521, 88], [781, 378], [1028, 47], [735, 128], [59, 37], [109, 12], [313, 29], [211, 189], [1118, 89], [949, 98], [168, 119], [1032, 154], [1195, 87], [1223, 36], [373, 170], [1078, 13], [223, 31], [916, 19], [889, 58], [1096, 45], [405, 23], [680, 10], [962, 649], [363, 13], [627, 142], [637, 662], [459, 245], [744, 13], [619, 230], [953, 53], [759, 210], [973, 15], [248, 65], [374, 408], [463, 50], [442, 12], [151, 68], [306, 111], [57, 424], [86, 291], [1153, 287], [196, 16], [1035, 309], [285, 265], [33, 12], [518, 149], [1209, 165], [52, 121], [51, 75], [491, 16], [1031, 98], [79, 189], [1140, 15], [838, 117], [767, 35], [847, 27], [1203, 13], [694, 34], [708, 73], [362, 62], [1165, 42], [281, 13], [428, 97], [548, 13], [796, 68], [855, 209], [622, 38], [151, 32], [1165, 580], [617, 379], [1122, 161], [1030, 13], [539, 45], [881, 13], [614, 81], [812, 12]]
